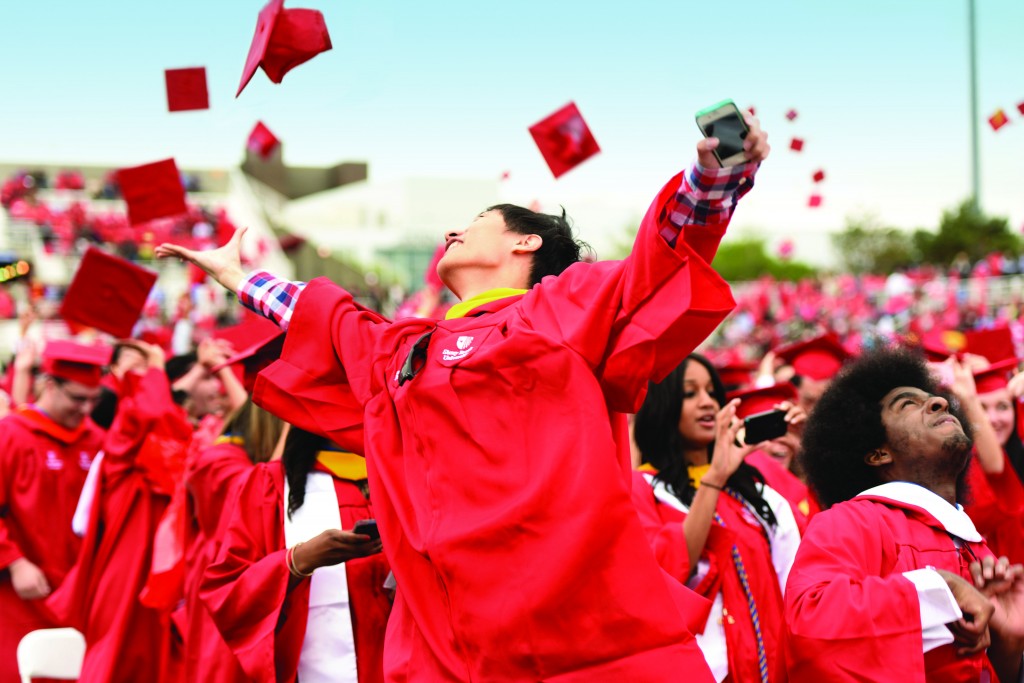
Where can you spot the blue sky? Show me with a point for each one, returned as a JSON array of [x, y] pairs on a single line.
[[450, 88]]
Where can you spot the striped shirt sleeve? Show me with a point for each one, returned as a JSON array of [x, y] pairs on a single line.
[[706, 198]]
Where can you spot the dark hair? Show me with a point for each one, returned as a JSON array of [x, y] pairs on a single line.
[[559, 249], [300, 451], [846, 423], [656, 431], [177, 367], [106, 408]]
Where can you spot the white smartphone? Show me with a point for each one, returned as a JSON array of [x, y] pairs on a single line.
[[725, 122]]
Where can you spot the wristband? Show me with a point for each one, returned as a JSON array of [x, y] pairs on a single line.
[[289, 558], [712, 486]]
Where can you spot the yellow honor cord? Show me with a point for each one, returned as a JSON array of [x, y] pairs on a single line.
[[461, 309]]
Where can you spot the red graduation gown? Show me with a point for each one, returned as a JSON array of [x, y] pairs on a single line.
[[800, 498], [143, 455], [500, 489], [213, 479], [42, 470], [663, 525], [850, 614], [995, 503], [246, 590]]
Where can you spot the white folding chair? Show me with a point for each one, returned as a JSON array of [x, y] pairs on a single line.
[[51, 653]]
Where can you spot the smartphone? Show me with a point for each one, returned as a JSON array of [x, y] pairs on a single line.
[[725, 122], [765, 426], [367, 527]]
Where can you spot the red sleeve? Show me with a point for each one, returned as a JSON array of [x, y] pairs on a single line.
[[9, 550], [246, 589], [213, 479], [1009, 493], [633, 320], [847, 618], [664, 531], [321, 387]]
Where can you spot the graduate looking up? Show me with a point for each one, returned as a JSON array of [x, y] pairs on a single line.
[[495, 439], [920, 594]]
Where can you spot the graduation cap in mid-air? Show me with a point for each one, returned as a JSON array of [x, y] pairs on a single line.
[[564, 139], [186, 89], [284, 39]]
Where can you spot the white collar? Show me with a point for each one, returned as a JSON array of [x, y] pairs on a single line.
[[953, 519]]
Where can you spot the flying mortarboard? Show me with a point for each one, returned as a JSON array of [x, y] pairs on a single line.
[[763, 398], [564, 139], [818, 176], [262, 141], [796, 144], [107, 293], [819, 358], [75, 362], [284, 39], [814, 201], [1020, 108], [791, 114], [186, 89], [995, 377], [998, 119], [152, 191]]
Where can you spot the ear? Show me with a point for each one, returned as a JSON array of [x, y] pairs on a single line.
[[525, 244], [878, 458]]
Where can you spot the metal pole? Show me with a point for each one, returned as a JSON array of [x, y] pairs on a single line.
[[975, 152]]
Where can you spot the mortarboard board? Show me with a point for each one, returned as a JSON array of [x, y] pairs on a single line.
[[819, 358], [818, 176], [998, 119], [186, 89], [152, 191], [564, 139], [262, 141], [258, 355], [796, 144], [791, 114], [995, 377], [995, 344], [763, 398], [814, 201], [736, 374], [1020, 108], [752, 111], [938, 345], [107, 293], [284, 39], [75, 362], [251, 330]]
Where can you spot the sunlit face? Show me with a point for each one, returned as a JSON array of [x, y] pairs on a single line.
[[998, 406], [484, 243], [697, 417], [70, 402], [922, 434], [207, 398]]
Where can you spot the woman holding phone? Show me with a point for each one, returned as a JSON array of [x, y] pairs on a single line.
[[712, 522]]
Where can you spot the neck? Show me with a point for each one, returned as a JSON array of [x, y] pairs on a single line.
[[696, 456], [466, 285]]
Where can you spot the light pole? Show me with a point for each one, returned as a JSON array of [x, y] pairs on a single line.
[[975, 164]]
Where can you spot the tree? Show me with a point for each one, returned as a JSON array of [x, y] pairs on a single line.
[[866, 246], [746, 258], [966, 229]]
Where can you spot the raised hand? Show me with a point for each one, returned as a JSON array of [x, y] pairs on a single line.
[[223, 264], [756, 147], [728, 453]]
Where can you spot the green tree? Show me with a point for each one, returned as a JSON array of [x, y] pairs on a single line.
[[966, 229], [866, 246], [747, 258]]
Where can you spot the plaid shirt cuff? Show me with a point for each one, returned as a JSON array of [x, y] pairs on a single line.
[[271, 297], [706, 197]]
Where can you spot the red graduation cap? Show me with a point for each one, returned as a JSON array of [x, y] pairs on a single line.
[[736, 373], [262, 141], [284, 39], [996, 376], [255, 357], [995, 344], [564, 139], [818, 176], [763, 398], [152, 191], [814, 201], [796, 144], [938, 345], [998, 119], [186, 89], [1020, 108], [75, 362], [752, 111], [107, 293], [791, 114], [818, 358]]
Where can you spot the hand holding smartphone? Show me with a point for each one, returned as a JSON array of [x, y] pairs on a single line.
[[765, 426], [725, 122], [367, 527]]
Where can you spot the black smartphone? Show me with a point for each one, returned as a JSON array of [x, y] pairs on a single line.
[[765, 426], [367, 527], [725, 122]]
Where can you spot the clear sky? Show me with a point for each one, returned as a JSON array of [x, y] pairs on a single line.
[[449, 88]]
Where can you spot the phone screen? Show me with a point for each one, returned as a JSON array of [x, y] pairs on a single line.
[[731, 131]]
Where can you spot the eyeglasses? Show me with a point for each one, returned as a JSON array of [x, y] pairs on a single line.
[[78, 399]]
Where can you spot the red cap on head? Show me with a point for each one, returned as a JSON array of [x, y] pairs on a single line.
[[938, 345], [262, 141], [819, 358], [996, 376], [152, 191], [564, 139], [759, 400], [75, 362], [186, 89], [107, 293], [995, 344], [284, 39], [256, 357], [737, 374]]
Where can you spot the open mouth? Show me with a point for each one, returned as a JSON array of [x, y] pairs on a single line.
[[946, 420], [450, 242]]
